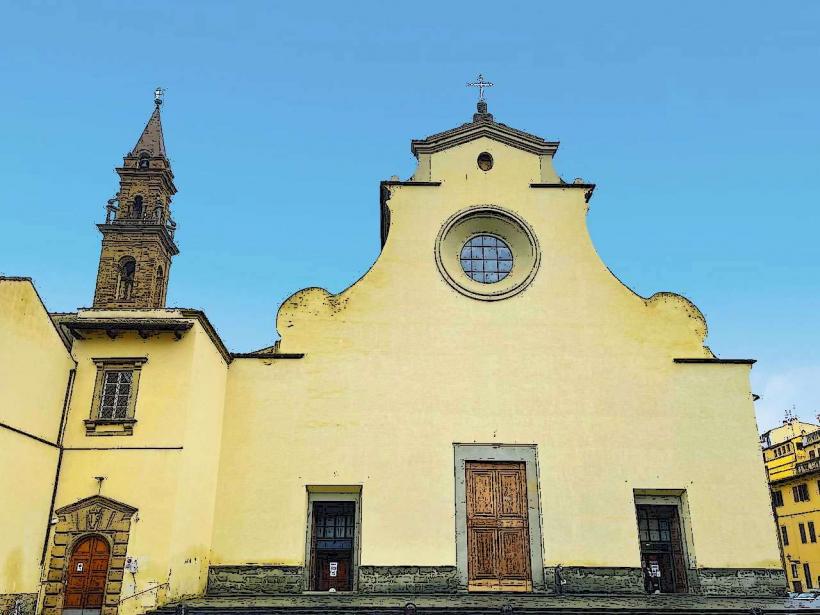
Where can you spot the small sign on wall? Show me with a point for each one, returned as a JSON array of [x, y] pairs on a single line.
[[131, 564], [334, 569]]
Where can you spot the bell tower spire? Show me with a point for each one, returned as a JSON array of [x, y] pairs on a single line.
[[138, 232]]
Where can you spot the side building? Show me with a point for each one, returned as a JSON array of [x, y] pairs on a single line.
[[791, 453]]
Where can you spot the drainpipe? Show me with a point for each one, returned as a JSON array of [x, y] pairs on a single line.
[[63, 416]]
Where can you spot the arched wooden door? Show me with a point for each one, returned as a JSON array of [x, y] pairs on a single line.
[[87, 574]]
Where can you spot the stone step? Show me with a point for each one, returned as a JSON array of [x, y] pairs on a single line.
[[486, 604]]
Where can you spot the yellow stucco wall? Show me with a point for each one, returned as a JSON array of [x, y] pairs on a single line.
[[34, 362], [400, 366], [26, 496], [171, 479], [34, 373]]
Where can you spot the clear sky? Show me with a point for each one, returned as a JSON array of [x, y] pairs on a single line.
[[697, 120]]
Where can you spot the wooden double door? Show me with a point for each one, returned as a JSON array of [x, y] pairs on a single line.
[[498, 539], [87, 575]]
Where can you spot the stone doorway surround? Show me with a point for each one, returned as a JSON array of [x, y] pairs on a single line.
[[526, 453], [99, 516]]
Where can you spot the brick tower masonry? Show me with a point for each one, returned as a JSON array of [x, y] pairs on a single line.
[[138, 233]]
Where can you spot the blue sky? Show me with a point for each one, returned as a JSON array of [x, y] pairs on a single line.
[[697, 120]]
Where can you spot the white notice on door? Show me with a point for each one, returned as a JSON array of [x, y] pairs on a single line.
[[334, 568]]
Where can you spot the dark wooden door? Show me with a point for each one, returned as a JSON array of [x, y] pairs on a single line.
[[498, 542], [662, 555], [334, 571], [87, 574], [332, 543]]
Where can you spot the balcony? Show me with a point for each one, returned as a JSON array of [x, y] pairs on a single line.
[[159, 217], [804, 467], [811, 438]]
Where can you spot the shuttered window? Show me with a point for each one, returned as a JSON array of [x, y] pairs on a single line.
[[801, 492]]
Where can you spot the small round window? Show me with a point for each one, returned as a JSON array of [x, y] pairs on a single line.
[[486, 259], [485, 161]]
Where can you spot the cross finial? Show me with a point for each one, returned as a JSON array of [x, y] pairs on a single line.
[[481, 85], [159, 93]]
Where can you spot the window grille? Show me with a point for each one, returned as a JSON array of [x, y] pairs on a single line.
[[116, 394], [486, 259]]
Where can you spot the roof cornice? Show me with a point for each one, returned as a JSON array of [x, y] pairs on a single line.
[[484, 128]]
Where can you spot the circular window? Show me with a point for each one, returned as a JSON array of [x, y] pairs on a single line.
[[486, 259], [485, 161], [487, 253]]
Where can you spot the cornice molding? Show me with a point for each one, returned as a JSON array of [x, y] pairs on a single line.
[[490, 129]]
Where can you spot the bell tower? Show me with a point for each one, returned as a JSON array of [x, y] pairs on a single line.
[[138, 232]]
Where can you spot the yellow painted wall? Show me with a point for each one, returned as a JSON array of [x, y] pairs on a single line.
[[179, 406], [34, 372], [791, 515], [26, 481], [34, 362], [400, 366]]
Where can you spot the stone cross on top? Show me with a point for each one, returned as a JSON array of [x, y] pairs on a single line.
[[480, 84]]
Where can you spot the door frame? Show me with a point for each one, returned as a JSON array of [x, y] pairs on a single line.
[[96, 515], [521, 453], [333, 493]]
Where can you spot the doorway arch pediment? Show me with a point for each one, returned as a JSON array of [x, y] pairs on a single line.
[[93, 516]]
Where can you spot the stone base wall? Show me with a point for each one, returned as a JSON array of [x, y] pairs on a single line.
[[18, 604], [596, 580], [267, 580], [408, 579], [254, 580], [742, 581]]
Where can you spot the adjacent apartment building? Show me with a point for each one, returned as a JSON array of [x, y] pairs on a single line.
[[792, 456]]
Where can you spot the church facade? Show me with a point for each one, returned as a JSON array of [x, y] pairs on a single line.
[[488, 409]]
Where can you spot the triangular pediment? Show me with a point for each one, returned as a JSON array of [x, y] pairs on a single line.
[[483, 125], [96, 500]]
